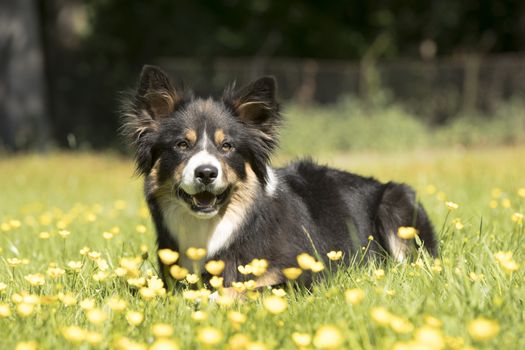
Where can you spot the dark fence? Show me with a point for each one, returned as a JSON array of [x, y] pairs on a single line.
[[436, 90]]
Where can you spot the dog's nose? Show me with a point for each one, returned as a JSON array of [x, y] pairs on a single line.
[[206, 174]]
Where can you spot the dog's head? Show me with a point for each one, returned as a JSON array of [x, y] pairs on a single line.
[[201, 153]]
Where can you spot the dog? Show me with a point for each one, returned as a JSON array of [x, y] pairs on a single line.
[[209, 184]]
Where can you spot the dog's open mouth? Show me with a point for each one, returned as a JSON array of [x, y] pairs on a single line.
[[204, 202]]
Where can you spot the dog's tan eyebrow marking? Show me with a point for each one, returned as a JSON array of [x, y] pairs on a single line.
[[191, 135], [219, 136]]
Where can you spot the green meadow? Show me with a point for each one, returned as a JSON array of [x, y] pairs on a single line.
[[78, 264]]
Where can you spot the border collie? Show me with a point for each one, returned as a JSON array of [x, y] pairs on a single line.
[[209, 184]]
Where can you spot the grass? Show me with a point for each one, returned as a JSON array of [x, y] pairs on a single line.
[[351, 125], [429, 303]]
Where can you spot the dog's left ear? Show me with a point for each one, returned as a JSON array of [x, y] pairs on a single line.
[[256, 104]]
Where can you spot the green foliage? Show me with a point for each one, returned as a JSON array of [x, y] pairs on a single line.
[[352, 125]]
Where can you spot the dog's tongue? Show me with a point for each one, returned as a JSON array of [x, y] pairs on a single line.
[[204, 199]]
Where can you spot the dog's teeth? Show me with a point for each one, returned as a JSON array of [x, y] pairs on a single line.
[[194, 200]]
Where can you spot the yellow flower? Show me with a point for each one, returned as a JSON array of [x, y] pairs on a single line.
[[147, 293], [67, 299], [25, 309], [433, 322], [164, 344], [238, 341], [239, 287], [328, 337], [301, 339], [482, 329], [275, 304], [236, 317], [96, 316], [209, 336], [259, 266], [517, 218], [155, 283], [317, 266], [521, 192], [84, 251], [305, 261], [380, 315], [93, 255], [216, 282], [379, 274], [134, 318], [36, 279], [55, 272], [245, 270], [177, 272], [162, 330], [3, 286], [292, 273], [279, 292], [74, 334], [5, 311], [429, 338], [505, 203], [137, 282], [87, 304], [124, 343], [44, 235], [225, 300], [192, 278], [199, 316], [400, 325], [27, 345], [354, 296], [335, 255], [93, 338], [64, 233], [116, 304], [215, 267], [406, 232], [451, 206], [168, 256], [75, 265], [506, 261], [100, 276], [255, 346], [140, 228], [13, 262], [196, 254]]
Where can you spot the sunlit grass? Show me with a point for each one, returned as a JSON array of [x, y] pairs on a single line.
[[78, 265]]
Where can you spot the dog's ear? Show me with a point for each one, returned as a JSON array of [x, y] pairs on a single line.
[[154, 99], [155, 94], [256, 106], [256, 103]]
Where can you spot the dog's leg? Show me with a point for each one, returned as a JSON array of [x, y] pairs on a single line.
[[398, 207]]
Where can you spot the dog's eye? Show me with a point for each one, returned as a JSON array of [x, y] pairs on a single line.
[[182, 145], [226, 147]]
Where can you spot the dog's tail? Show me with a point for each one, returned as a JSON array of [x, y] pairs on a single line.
[[399, 207]]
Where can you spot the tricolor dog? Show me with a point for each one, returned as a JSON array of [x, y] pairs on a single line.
[[209, 184]]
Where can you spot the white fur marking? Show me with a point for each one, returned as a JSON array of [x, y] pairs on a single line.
[[213, 234], [398, 247], [272, 181], [201, 158]]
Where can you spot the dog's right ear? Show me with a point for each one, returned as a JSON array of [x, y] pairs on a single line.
[[154, 99], [155, 94]]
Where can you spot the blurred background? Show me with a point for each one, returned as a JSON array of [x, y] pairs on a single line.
[[379, 75]]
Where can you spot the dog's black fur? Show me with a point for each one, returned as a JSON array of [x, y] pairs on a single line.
[[254, 211]]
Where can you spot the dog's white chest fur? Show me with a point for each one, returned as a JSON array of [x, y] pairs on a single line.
[[212, 234]]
